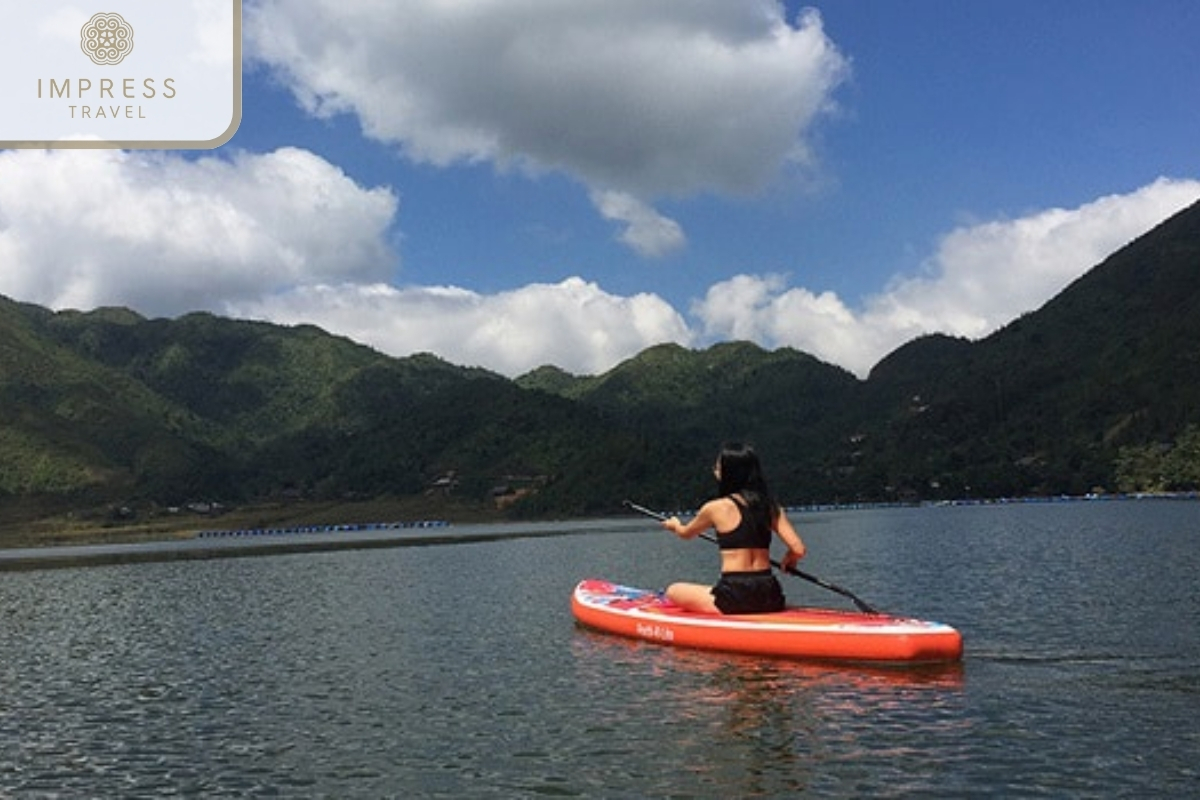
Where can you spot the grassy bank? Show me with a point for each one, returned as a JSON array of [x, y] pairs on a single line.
[[28, 524]]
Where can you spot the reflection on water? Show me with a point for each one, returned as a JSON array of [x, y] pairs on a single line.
[[458, 671], [753, 727]]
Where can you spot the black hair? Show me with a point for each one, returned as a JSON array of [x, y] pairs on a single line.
[[742, 473]]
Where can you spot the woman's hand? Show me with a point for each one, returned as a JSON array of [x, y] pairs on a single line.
[[792, 558], [673, 525], [795, 545]]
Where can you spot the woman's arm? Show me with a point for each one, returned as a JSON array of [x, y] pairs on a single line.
[[795, 545], [705, 518]]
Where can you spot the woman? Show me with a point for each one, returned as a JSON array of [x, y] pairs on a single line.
[[744, 514]]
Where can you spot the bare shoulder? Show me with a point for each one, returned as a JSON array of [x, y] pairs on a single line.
[[722, 513], [718, 504]]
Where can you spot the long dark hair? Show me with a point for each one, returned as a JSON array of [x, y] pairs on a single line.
[[742, 473]]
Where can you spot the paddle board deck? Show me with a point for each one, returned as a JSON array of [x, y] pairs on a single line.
[[806, 633]]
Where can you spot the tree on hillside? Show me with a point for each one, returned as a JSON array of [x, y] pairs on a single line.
[[1161, 467]]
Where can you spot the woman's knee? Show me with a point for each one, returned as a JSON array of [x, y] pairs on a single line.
[[691, 595]]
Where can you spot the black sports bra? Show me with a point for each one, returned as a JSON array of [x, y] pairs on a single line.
[[744, 536]]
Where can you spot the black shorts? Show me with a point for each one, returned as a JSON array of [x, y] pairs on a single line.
[[748, 592]]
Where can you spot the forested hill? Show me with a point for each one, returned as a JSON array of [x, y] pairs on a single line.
[[1048, 403], [1100, 388]]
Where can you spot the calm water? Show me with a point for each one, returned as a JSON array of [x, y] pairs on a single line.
[[457, 671]]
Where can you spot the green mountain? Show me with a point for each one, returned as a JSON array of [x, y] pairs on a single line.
[[260, 410], [69, 424], [1092, 390], [1046, 404], [797, 407]]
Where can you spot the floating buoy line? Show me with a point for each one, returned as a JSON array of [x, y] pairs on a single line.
[[340, 528]]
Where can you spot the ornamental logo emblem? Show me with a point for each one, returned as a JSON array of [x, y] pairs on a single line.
[[106, 38]]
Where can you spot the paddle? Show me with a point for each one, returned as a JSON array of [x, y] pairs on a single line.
[[862, 604]]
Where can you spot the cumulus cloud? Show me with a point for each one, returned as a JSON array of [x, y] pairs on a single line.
[[573, 324], [287, 237], [167, 235], [981, 277], [764, 309], [641, 99]]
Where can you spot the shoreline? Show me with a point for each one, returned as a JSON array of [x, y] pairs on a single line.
[[96, 527], [245, 543], [309, 526]]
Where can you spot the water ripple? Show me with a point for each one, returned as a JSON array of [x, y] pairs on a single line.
[[456, 671]]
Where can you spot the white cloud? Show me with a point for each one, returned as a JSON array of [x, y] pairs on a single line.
[[646, 231], [643, 99], [286, 236], [166, 235], [981, 277], [573, 324], [764, 309]]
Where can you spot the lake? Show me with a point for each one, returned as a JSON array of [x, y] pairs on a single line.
[[456, 670]]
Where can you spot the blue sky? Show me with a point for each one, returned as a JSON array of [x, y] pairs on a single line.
[[516, 182]]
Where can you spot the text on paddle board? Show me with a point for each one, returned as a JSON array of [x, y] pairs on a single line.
[[659, 632]]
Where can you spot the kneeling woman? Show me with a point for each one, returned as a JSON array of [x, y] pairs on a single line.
[[744, 516]]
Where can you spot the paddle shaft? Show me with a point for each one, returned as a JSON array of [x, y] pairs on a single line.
[[862, 604]]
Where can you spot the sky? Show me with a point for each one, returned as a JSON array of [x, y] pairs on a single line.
[[513, 183]]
